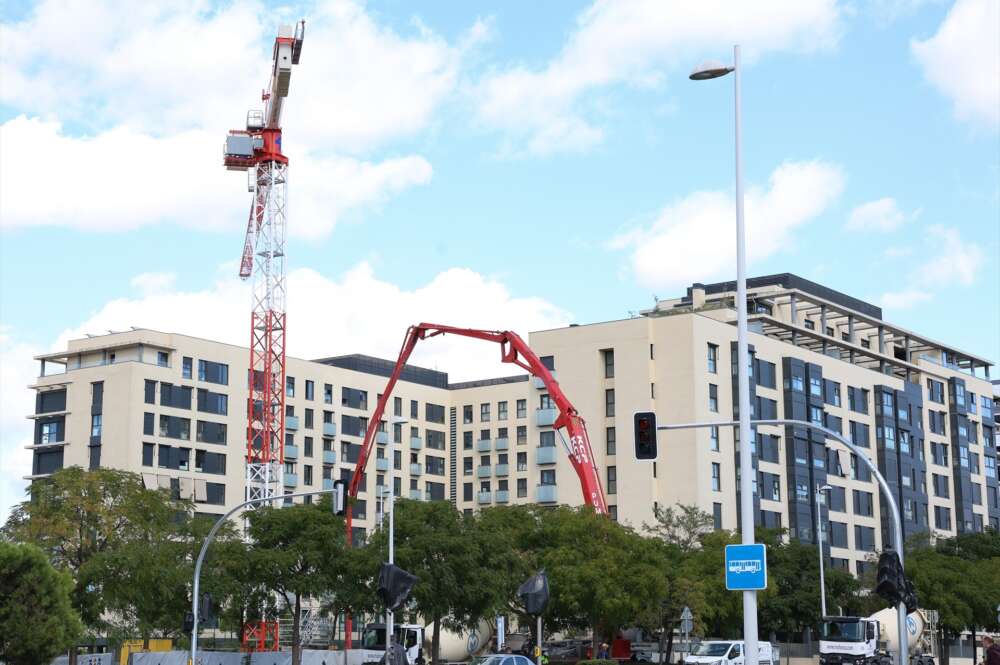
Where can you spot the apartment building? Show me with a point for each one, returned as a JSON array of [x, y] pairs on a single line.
[[172, 408]]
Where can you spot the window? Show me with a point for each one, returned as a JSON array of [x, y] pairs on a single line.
[[990, 464], [609, 402], [186, 367], [148, 421], [466, 414], [546, 439], [888, 437], [522, 487], [522, 435], [935, 391], [544, 401], [963, 456], [172, 427], [434, 413], [414, 409], [467, 440], [484, 412], [904, 441], [150, 392], [612, 486], [310, 390], [501, 411], [862, 503], [713, 358], [522, 461], [434, 465], [838, 534], [816, 415], [206, 462], [290, 386], [713, 435], [522, 408], [942, 517], [549, 362], [547, 477], [162, 358], [864, 538], [611, 439], [435, 439], [857, 399], [212, 372], [354, 398], [397, 460], [716, 477], [178, 397], [815, 386], [328, 394], [95, 426], [211, 402], [148, 453], [307, 447], [832, 392], [713, 398], [608, 359]]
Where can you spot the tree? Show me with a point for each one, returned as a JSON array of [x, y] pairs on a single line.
[[681, 525], [442, 548], [602, 574], [37, 619], [298, 552]]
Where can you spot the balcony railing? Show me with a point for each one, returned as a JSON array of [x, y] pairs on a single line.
[[503, 469], [538, 383], [545, 417], [484, 471], [545, 494], [291, 452], [292, 423], [483, 445], [381, 438], [545, 455], [416, 443], [329, 457], [502, 444], [416, 495], [485, 498], [291, 479], [381, 464], [329, 429], [416, 469], [502, 496]]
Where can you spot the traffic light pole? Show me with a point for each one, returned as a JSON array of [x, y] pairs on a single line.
[[208, 541], [897, 524]]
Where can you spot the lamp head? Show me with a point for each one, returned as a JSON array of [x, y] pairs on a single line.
[[710, 69]]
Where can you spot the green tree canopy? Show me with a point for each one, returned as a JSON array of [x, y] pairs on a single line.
[[37, 619]]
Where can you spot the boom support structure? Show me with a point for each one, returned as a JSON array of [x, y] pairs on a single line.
[[513, 350]]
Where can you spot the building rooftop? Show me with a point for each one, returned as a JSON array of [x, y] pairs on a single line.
[[359, 362]]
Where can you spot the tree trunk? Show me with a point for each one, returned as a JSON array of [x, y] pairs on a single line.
[[945, 648], [296, 619], [974, 661], [670, 643], [72, 653], [595, 639], [436, 640]]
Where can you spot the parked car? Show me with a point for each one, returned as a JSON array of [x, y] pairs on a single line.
[[728, 652]]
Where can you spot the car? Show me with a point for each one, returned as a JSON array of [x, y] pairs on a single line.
[[502, 659]]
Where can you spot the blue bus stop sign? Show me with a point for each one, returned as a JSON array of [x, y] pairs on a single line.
[[746, 567]]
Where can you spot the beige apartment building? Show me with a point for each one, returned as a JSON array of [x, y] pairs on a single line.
[[172, 408]]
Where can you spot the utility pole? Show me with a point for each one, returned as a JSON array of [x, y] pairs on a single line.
[[819, 544], [389, 614]]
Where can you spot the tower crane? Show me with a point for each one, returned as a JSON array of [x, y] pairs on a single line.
[[257, 150]]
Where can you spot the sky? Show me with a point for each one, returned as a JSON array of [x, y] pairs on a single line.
[[514, 165]]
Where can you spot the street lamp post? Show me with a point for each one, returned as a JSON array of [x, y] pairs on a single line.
[[819, 544], [389, 615], [705, 71]]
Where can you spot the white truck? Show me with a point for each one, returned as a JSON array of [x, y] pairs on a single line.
[[410, 636], [728, 652], [873, 640]]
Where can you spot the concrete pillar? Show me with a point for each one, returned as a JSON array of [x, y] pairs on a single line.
[[850, 335], [697, 296], [822, 325], [881, 348]]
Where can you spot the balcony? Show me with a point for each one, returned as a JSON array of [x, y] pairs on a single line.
[[502, 496], [545, 455], [328, 483], [381, 464], [292, 423], [329, 457], [291, 479], [545, 417], [416, 469], [291, 452], [329, 429], [416, 443], [381, 438], [484, 472], [545, 494], [483, 445], [416, 495], [485, 498], [537, 382], [503, 469], [502, 444]]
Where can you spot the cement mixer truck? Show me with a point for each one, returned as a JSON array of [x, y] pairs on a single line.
[[873, 640]]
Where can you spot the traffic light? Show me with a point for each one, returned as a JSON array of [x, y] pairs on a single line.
[[188, 622], [645, 435], [890, 583], [337, 498]]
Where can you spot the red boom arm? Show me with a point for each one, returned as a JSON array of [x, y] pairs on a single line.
[[514, 350]]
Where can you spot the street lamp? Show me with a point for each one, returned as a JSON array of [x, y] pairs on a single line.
[[705, 71], [819, 544]]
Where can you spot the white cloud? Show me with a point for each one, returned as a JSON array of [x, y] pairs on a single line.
[[949, 261], [121, 179], [962, 60], [904, 299], [371, 316], [881, 215], [694, 238], [149, 283], [166, 67], [634, 43]]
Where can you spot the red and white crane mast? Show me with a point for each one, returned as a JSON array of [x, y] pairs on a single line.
[[257, 150]]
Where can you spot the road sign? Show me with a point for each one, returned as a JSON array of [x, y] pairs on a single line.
[[746, 567], [687, 620]]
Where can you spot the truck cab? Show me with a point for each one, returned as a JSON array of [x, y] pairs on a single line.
[[850, 641], [727, 652], [410, 636]]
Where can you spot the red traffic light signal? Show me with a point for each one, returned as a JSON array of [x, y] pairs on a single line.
[[645, 435]]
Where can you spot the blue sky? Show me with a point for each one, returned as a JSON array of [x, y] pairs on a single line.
[[513, 164]]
